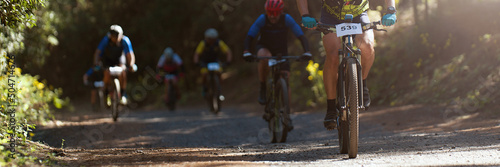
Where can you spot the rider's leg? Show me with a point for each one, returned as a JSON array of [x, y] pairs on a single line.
[[93, 94], [106, 80], [263, 69], [123, 86], [204, 75], [365, 42], [165, 81], [332, 45], [176, 87]]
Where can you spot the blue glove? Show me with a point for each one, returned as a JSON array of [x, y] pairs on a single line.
[[309, 22], [389, 19]]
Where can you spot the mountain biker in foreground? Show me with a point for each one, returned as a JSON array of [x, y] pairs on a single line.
[[209, 50], [115, 49], [333, 13], [170, 63], [273, 27]]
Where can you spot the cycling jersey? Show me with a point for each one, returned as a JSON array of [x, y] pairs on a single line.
[[211, 53], [170, 67], [339, 8], [112, 54], [274, 36]]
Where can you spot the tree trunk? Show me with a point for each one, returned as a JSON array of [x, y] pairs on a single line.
[[426, 10], [415, 11]]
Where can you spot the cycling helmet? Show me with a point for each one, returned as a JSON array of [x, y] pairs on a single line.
[[274, 7], [168, 52], [211, 33], [116, 30]]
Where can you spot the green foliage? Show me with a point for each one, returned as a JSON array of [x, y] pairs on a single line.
[[17, 12], [32, 98]]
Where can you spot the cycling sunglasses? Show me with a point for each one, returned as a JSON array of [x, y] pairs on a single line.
[[273, 13]]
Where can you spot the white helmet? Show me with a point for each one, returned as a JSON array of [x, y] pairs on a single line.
[[168, 52], [116, 29], [211, 33]]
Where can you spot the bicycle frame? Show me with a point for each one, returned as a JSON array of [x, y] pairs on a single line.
[[348, 52], [278, 112]]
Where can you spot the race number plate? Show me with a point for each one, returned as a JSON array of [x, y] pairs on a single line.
[[213, 66], [348, 29]]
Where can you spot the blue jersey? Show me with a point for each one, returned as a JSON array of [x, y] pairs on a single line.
[[125, 43], [274, 36]]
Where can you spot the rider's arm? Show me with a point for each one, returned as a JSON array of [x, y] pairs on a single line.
[[100, 48], [303, 7], [254, 30], [161, 61], [198, 51], [225, 49], [177, 59], [389, 3], [297, 31], [127, 49]]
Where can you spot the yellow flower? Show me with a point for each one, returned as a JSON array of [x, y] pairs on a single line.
[[17, 71], [320, 72], [310, 78], [40, 86]]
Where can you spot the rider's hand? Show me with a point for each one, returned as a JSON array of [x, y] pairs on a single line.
[[305, 57], [308, 21], [247, 56], [389, 19], [132, 68]]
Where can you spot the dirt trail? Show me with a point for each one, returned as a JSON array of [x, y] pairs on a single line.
[[412, 135]]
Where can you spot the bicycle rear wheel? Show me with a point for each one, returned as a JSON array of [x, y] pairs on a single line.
[[213, 99], [281, 107], [353, 105]]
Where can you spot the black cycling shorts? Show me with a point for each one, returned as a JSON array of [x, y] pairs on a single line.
[[285, 66]]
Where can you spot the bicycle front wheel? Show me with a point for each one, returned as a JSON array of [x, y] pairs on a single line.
[[353, 105], [281, 109], [116, 100]]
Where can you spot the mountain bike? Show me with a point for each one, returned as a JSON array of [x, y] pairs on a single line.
[[349, 86], [114, 92], [213, 94], [171, 92], [277, 109]]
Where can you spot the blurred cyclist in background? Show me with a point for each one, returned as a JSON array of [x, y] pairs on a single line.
[[170, 68], [209, 50], [93, 79]]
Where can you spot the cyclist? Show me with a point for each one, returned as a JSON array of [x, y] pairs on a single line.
[[171, 64], [273, 27], [115, 49], [333, 12], [208, 51], [93, 74]]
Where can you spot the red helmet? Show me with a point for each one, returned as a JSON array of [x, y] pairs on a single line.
[[274, 7]]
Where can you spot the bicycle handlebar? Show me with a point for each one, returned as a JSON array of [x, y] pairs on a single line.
[[328, 28]]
